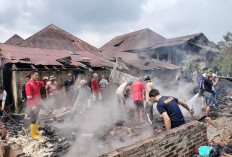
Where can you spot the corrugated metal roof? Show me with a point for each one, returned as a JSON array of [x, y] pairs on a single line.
[[135, 40], [133, 59], [52, 37], [36, 56], [14, 40]]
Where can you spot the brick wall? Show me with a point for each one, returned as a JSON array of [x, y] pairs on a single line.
[[178, 142]]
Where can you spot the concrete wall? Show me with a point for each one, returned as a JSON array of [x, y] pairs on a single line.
[[178, 142]]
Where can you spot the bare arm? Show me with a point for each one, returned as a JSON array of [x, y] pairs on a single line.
[[144, 94], [215, 84], [167, 121], [3, 105], [47, 93], [184, 104]]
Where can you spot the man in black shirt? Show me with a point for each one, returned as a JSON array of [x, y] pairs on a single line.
[[208, 90]]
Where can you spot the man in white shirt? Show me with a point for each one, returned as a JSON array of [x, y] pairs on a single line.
[[121, 92], [3, 95], [103, 83]]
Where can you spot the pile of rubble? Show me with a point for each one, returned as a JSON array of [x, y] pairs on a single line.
[[223, 96], [219, 131]]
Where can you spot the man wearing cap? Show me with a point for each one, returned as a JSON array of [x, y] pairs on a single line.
[[96, 88], [208, 91], [122, 92], [51, 87], [139, 95], [149, 103]]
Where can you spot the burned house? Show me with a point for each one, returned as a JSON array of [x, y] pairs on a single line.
[[148, 43], [53, 51]]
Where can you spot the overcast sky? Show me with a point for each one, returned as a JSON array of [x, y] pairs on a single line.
[[98, 21]]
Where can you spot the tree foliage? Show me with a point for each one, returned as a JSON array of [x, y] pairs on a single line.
[[224, 60]]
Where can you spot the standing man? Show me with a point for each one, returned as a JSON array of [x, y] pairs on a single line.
[[139, 95], [67, 88], [3, 95], [103, 83], [122, 92], [168, 107], [96, 88], [208, 91], [82, 97], [34, 100], [51, 87], [201, 86], [149, 103]]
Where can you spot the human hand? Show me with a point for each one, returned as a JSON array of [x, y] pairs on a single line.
[[23, 101], [191, 111], [2, 109]]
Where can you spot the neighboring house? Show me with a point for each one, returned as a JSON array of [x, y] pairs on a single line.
[[148, 43]]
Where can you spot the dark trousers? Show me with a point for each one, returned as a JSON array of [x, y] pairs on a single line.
[[149, 111], [34, 114]]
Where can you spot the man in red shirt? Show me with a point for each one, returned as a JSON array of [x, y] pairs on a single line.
[[96, 88], [139, 95], [33, 100]]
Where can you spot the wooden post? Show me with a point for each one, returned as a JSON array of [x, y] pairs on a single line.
[[169, 57], [158, 56], [15, 89]]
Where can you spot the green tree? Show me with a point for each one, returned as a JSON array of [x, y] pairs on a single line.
[[224, 59]]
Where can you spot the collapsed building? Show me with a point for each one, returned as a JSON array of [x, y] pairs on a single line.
[[146, 42], [53, 51]]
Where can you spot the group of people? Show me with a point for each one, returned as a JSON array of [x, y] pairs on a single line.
[[167, 106], [144, 96], [81, 96]]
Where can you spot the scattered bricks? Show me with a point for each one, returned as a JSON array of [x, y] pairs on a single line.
[[179, 150]]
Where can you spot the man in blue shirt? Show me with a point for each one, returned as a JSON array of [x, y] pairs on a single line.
[[169, 108]]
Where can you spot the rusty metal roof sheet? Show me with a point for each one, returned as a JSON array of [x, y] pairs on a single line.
[[135, 40], [14, 40], [36, 56], [52, 37], [134, 60]]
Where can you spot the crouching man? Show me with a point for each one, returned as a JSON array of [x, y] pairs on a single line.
[[169, 108]]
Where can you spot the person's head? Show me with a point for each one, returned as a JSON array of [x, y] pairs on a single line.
[[28, 78], [2, 88], [205, 69], [147, 78], [130, 82], [209, 73], [138, 79], [103, 76], [95, 75], [154, 93], [83, 83], [34, 75], [70, 76], [52, 78]]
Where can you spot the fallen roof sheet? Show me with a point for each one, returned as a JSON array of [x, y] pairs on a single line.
[[133, 59], [52, 37]]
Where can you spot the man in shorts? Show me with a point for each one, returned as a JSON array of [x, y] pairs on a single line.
[[139, 95]]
